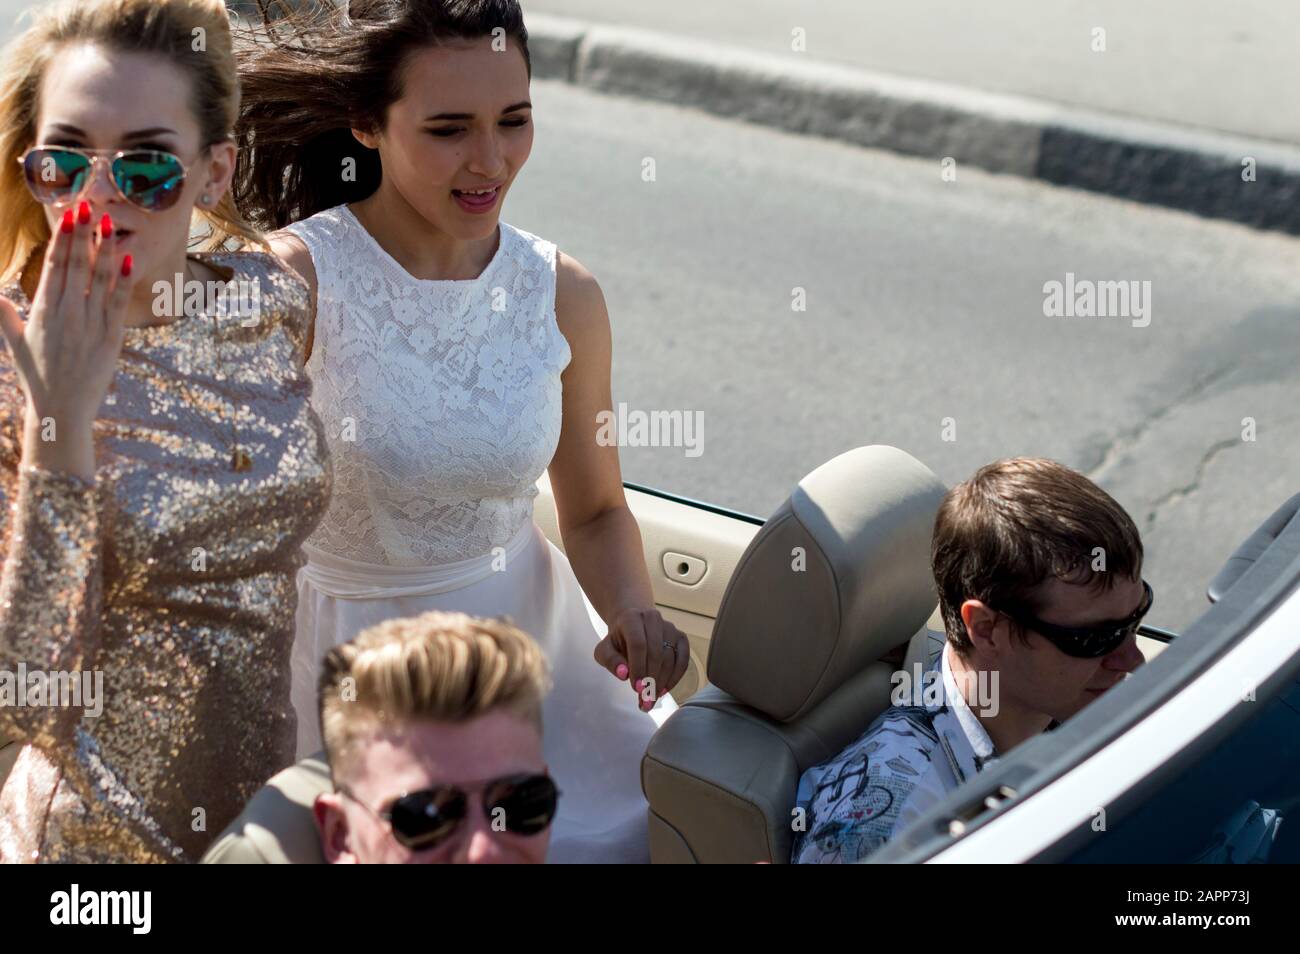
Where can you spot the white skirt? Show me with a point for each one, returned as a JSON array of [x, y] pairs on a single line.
[[594, 733]]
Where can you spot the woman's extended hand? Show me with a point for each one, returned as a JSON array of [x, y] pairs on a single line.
[[647, 649]]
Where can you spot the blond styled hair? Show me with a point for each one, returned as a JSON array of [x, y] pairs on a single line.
[[169, 28], [442, 667]]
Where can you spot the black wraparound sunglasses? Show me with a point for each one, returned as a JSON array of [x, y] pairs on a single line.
[[525, 805], [1086, 642]]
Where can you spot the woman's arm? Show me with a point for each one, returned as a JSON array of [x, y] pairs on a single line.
[[51, 581], [57, 368], [600, 534]]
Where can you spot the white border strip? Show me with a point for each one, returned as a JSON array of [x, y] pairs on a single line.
[[1073, 799]]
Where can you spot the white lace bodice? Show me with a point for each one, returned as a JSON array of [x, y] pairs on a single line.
[[441, 400]]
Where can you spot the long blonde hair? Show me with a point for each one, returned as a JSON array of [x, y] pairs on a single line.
[[171, 28]]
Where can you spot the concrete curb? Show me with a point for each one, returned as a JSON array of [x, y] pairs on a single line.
[[1196, 171]]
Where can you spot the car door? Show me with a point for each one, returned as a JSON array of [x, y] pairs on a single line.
[[691, 550]]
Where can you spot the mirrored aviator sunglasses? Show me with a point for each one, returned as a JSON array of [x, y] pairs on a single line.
[[524, 804], [147, 179]]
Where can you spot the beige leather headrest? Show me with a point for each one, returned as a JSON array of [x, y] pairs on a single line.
[[836, 578]]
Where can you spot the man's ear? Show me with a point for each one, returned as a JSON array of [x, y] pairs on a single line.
[[981, 621], [332, 825]]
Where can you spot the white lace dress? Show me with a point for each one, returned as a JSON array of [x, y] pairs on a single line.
[[441, 402]]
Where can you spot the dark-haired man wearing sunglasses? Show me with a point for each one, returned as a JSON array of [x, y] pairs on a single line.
[[432, 729], [1038, 572]]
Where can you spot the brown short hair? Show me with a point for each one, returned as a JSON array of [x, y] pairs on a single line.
[[1019, 522], [446, 667]]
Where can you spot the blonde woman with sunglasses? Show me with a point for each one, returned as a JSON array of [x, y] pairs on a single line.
[[159, 461]]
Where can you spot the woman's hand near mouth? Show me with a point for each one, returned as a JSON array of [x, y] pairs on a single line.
[[66, 354]]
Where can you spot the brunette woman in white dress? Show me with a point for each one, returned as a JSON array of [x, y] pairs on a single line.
[[454, 359]]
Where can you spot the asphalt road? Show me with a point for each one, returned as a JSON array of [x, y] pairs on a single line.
[[924, 302]]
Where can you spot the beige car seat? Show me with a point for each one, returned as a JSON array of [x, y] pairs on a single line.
[[838, 578], [276, 826], [8, 755]]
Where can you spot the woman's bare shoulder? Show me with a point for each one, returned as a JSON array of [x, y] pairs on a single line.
[[580, 309], [292, 250]]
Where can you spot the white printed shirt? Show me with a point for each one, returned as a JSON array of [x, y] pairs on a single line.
[[909, 758]]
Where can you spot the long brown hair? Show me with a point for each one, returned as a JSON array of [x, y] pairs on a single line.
[[311, 76], [165, 27]]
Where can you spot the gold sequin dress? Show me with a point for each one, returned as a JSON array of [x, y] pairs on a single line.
[[173, 576]]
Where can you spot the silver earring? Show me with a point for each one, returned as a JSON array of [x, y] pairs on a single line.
[[205, 200]]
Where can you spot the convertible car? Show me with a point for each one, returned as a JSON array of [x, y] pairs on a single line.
[[797, 624]]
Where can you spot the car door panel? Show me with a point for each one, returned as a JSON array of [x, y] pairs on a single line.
[[680, 542]]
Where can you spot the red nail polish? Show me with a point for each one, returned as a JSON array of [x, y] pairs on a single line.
[[83, 212], [67, 222], [126, 266], [106, 226]]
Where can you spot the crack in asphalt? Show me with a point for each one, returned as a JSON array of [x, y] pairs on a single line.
[[1126, 440], [1178, 493]]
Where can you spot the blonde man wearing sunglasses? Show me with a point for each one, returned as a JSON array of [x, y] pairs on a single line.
[[433, 732], [1039, 578]]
